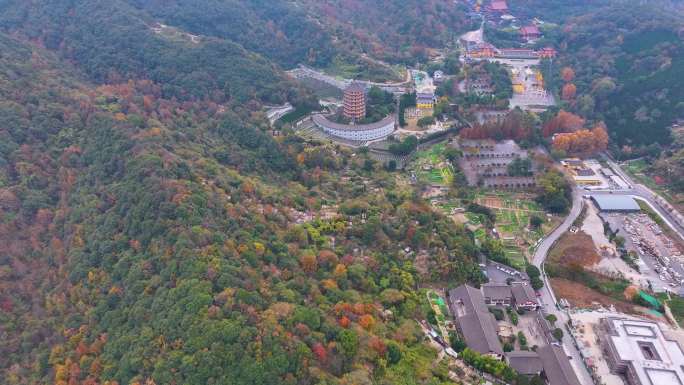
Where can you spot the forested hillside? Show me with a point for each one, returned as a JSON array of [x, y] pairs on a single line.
[[111, 41], [623, 64], [393, 30], [152, 231], [155, 229], [274, 28]]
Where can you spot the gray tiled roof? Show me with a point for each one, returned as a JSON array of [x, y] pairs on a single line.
[[477, 324], [557, 366], [497, 291], [470, 297], [524, 362], [523, 292], [479, 332]]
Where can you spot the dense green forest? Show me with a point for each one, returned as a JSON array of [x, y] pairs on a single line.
[[272, 28], [153, 231], [626, 62], [395, 31], [111, 41]]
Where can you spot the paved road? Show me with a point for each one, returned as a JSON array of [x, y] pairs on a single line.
[[547, 296], [548, 299], [545, 245]]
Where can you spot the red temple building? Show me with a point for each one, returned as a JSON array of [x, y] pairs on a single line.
[[498, 6], [530, 32], [355, 102], [547, 53]]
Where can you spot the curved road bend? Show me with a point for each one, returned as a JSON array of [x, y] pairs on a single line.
[[547, 298]]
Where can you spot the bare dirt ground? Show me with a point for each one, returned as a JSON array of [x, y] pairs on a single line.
[[492, 202], [610, 265], [581, 296], [459, 218], [575, 249]]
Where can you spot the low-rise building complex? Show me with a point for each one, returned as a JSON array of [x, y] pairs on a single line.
[[640, 352], [356, 132], [557, 368], [519, 295], [486, 162], [475, 323]]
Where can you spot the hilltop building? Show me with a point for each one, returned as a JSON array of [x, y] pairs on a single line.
[[498, 7], [640, 352], [354, 101], [530, 33], [547, 53], [481, 50]]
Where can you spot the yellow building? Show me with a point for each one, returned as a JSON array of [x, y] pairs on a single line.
[[425, 101], [518, 88], [587, 180]]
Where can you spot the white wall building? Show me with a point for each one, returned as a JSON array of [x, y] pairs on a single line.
[[356, 132], [641, 353]]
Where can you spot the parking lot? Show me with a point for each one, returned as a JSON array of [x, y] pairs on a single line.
[[499, 273], [660, 261]]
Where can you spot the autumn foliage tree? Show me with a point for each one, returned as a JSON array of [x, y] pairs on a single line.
[[513, 126], [569, 91], [367, 321], [308, 262], [567, 74], [563, 122], [582, 142]]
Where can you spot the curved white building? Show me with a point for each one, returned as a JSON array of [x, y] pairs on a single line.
[[356, 132]]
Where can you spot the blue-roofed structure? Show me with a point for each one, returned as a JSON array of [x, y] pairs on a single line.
[[623, 203]]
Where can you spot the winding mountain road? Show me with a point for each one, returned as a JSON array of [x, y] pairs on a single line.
[[548, 300], [547, 297]]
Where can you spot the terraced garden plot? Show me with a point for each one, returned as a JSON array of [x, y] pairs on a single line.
[[512, 220], [507, 228], [434, 167], [438, 304], [448, 206], [475, 219]]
